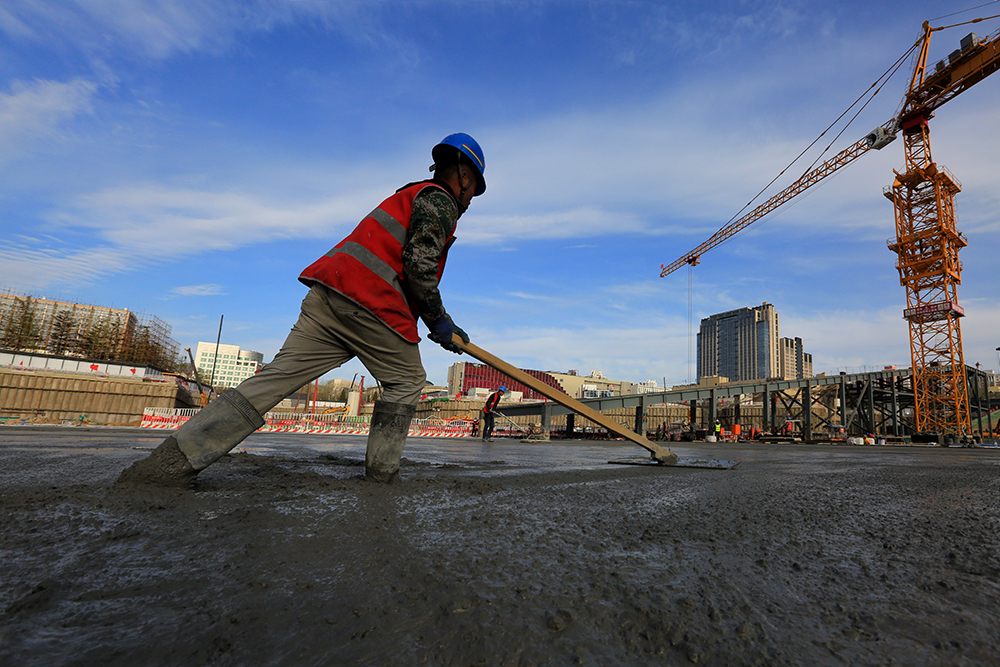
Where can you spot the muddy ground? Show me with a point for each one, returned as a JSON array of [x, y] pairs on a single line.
[[504, 554]]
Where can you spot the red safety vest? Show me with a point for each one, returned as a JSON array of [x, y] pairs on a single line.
[[367, 266]]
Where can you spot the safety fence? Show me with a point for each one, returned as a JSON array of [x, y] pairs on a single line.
[[285, 422]]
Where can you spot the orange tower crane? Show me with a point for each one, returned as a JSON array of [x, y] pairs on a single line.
[[927, 240]]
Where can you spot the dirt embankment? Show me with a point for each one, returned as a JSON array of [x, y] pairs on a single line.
[[799, 556]]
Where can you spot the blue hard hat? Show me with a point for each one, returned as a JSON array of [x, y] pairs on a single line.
[[470, 147], [502, 388]]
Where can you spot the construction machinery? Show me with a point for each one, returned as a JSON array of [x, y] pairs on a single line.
[[927, 240], [201, 392]]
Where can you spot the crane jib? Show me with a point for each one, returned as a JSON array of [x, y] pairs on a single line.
[[977, 59]]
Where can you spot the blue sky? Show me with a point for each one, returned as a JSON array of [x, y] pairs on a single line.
[[189, 158]]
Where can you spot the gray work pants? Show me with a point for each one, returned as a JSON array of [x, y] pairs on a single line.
[[331, 331]]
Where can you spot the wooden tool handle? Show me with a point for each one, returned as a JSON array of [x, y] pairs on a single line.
[[661, 454]]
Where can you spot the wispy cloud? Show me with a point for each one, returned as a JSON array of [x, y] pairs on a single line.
[[177, 222], [162, 28], [33, 112], [208, 289], [563, 224], [38, 269]]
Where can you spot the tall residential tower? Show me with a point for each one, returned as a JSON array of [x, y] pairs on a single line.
[[744, 345]]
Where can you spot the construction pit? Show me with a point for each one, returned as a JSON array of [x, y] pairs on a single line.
[[500, 553]]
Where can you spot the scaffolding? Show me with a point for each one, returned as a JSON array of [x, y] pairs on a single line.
[[30, 323]]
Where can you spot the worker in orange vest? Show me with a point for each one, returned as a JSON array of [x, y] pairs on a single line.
[[365, 297], [488, 410]]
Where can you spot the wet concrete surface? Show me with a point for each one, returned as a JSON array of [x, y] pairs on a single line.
[[497, 554]]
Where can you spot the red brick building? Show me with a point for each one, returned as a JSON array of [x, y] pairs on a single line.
[[464, 378]]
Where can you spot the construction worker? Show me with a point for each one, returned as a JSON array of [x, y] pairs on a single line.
[[364, 298], [488, 410], [718, 430]]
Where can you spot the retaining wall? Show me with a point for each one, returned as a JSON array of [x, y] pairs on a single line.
[[30, 395]]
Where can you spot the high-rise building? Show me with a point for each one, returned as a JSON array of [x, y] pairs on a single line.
[[794, 362], [230, 367], [744, 345], [740, 344]]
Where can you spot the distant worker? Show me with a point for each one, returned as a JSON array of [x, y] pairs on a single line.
[[364, 298], [488, 410], [718, 430]]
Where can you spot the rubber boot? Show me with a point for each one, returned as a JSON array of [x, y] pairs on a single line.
[[204, 439], [386, 438]]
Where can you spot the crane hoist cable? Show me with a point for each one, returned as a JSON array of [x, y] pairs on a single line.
[[963, 11], [878, 84], [933, 96], [888, 74]]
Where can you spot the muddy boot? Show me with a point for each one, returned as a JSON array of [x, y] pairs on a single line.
[[386, 438], [205, 438], [166, 466]]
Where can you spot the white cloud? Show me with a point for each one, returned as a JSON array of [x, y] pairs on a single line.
[[131, 228], [162, 28], [624, 352], [34, 112], [573, 223], [12, 25], [208, 289], [153, 28], [37, 269], [848, 339], [170, 222], [676, 165]]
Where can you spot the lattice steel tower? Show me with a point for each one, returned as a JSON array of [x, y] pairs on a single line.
[[927, 244], [927, 240]]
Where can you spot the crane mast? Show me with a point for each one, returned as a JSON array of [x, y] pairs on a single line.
[[927, 239]]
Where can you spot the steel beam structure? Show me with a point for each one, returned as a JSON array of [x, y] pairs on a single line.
[[685, 395], [878, 402]]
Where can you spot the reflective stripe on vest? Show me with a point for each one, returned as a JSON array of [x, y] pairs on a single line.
[[367, 266]]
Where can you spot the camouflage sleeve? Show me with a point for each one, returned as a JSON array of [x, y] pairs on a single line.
[[431, 223]]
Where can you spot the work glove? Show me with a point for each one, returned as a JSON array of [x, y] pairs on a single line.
[[441, 330]]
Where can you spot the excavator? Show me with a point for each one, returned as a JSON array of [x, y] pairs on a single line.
[[927, 240]]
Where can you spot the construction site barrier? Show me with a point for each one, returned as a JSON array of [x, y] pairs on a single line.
[[166, 417], [284, 422]]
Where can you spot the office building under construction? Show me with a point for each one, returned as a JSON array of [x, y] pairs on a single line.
[[30, 323]]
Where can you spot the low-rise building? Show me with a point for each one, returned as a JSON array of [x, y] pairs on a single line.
[[465, 378], [468, 379]]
